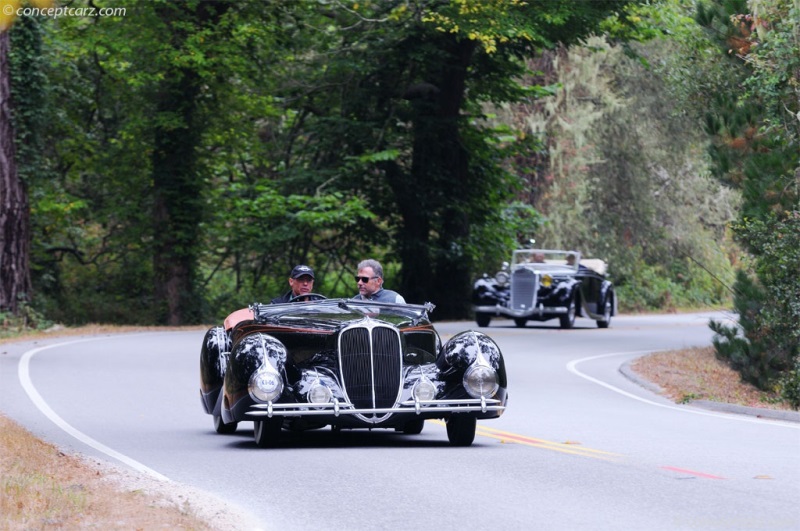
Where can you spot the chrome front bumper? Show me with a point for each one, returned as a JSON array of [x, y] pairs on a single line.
[[336, 408], [537, 310]]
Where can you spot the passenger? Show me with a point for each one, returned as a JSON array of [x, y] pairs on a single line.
[[301, 282], [538, 258], [370, 284], [571, 263]]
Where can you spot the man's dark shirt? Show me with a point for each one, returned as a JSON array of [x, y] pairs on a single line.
[[283, 298]]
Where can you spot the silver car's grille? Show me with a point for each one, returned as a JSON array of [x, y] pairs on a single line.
[[371, 363], [524, 284]]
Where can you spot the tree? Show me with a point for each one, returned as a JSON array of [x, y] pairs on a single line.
[[757, 148], [15, 286], [430, 163]]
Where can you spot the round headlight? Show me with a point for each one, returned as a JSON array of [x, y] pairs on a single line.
[[501, 277], [319, 394], [265, 386], [480, 381], [424, 390], [547, 281]]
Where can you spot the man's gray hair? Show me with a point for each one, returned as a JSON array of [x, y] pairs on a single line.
[[374, 264]]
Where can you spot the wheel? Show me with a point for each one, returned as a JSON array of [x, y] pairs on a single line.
[[222, 428], [305, 297], [461, 429], [520, 322], [483, 319], [266, 431], [568, 319], [414, 427], [606, 320]]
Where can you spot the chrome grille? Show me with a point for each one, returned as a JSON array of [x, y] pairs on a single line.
[[524, 284], [370, 358]]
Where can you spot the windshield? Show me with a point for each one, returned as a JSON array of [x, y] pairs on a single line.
[[546, 259], [338, 309]]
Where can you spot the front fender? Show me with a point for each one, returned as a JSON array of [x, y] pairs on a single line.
[[250, 353], [486, 291], [465, 348], [213, 364]]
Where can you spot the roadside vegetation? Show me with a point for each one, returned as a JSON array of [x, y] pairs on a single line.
[[43, 488]]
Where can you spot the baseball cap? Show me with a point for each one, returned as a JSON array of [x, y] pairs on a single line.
[[301, 270]]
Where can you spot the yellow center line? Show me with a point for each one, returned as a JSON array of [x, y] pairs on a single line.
[[566, 448]]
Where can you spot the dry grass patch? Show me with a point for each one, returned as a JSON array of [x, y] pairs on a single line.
[[696, 374], [43, 488], [8, 335]]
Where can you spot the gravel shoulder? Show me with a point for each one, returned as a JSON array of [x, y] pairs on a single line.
[[696, 377]]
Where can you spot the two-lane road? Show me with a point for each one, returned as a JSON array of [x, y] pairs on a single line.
[[580, 447]]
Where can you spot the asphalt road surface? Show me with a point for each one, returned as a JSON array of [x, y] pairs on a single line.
[[581, 447]]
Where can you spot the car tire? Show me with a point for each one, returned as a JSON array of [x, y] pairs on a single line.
[[567, 320], [266, 432], [461, 429], [414, 427], [520, 322], [605, 322], [483, 319], [222, 428]]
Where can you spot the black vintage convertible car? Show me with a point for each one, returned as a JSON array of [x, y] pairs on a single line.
[[543, 284], [347, 364]]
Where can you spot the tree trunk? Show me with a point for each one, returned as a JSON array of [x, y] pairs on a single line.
[[176, 200], [15, 280], [435, 204], [177, 187]]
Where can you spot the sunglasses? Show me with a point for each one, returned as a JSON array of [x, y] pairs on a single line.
[[363, 279]]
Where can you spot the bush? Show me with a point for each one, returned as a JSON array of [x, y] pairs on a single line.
[[27, 318], [790, 385], [757, 347]]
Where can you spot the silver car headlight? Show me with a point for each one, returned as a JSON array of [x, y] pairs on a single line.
[[481, 381], [265, 385], [424, 390], [319, 394], [501, 278]]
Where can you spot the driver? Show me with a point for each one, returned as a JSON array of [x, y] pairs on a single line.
[[301, 282]]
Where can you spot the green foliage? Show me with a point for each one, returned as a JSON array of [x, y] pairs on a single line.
[[757, 148], [790, 384], [676, 284], [778, 239], [625, 179], [26, 318], [217, 144], [753, 346], [769, 308]]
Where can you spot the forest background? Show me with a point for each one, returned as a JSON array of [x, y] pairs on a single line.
[[172, 161]]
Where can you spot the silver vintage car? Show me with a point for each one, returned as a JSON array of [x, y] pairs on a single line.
[[544, 284]]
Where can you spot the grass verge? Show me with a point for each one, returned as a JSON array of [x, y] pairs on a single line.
[[44, 488], [696, 374]]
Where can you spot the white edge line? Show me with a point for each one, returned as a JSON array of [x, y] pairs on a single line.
[[41, 404], [571, 367]]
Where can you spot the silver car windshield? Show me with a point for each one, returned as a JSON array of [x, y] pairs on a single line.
[[546, 259]]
